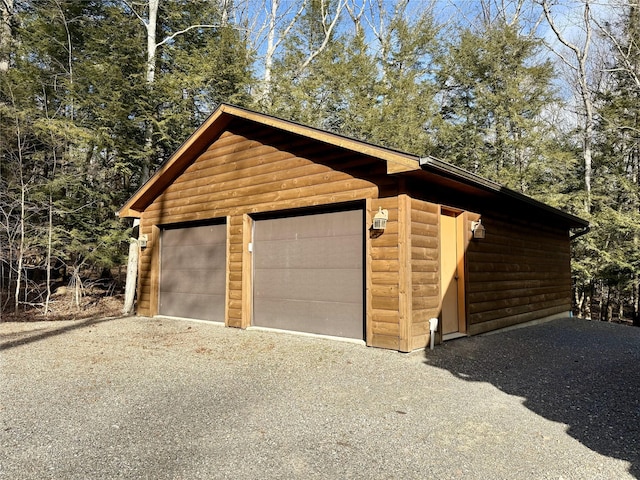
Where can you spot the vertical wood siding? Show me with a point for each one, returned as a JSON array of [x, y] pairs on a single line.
[[425, 266], [518, 273]]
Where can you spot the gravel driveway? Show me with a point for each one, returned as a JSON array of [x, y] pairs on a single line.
[[167, 399]]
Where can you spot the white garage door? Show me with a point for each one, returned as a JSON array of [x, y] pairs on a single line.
[[192, 272], [308, 273]]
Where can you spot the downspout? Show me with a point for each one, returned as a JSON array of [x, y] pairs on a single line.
[[580, 233]]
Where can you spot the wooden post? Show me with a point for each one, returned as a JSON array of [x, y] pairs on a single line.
[[404, 275]]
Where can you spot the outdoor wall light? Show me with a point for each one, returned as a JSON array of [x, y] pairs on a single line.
[[380, 219], [379, 222], [143, 241], [478, 229]]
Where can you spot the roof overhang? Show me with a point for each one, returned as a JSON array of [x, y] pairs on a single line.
[[397, 162], [460, 175]]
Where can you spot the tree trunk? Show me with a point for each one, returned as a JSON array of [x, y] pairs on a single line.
[[48, 262], [587, 153], [76, 284], [275, 37], [581, 68], [636, 302], [132, 276], [270, 53], [579, 297], [6, 36], [150, 76], [21, 248]]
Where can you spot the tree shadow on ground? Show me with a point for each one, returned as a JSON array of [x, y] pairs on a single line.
[[51, 330], [581, 373]]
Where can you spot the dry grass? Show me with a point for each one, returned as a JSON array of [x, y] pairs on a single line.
[[93, 304]]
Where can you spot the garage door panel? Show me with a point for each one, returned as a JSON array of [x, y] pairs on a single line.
[[200, 282], [196, 235], [308, 273], [283, 283], [333, 224], [315, 317], [190, 305], [192, 256], [315, 252], [192, 272]]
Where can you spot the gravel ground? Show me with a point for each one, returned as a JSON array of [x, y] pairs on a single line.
[[167, 399]]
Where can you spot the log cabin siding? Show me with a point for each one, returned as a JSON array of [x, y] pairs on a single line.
[[235, 271], [425, 270], [519, 272], [385, 280], [148, 269], [239, 165], [251, 176], [239, 175]]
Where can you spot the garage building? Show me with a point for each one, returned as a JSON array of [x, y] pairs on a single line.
[[261, 222]]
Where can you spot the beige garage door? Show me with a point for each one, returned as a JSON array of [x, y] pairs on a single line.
[[308, 273], [192, 272]]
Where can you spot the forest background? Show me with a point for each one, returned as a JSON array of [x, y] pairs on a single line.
[[538, 95]]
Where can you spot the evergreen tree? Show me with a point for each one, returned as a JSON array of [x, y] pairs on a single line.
[[75, 109], [381, 93], [196, 69], [299, 89], [493, 93], [405, 90], [616, 186]]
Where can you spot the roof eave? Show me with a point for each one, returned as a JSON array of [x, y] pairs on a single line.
[[149, 190], [464, 176]]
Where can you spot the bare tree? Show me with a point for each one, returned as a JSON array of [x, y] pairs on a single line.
[[626, 51], [576, 58], [272, 24], [329, 19], [148, 17], [277, 31], [621, 33], [22, 207]]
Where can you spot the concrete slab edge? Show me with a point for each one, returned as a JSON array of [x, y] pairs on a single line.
[[531, 323], [307, 334]]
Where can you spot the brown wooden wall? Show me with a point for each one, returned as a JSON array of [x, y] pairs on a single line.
[[248, 171], [518, 273], [425, 270], [404, 274], [384, 280], [234, 271], [515, 274]]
